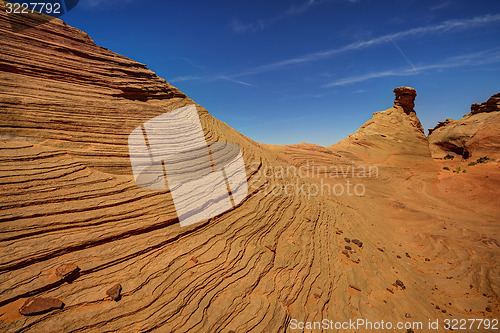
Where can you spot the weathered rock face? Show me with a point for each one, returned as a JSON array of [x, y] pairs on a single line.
[[491, 105], [475, 135], [391, 136], [441, 124], [68, 198]]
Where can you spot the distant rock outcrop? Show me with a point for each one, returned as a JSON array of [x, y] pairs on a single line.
[[393, 136], [477, 134], [491, 105]]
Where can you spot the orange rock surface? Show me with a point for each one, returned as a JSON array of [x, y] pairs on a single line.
[[69, 197]]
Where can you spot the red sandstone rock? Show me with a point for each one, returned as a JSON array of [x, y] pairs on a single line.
[[36, 306]]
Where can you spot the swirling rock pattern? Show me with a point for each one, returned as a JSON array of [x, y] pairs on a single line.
[[69, 197]]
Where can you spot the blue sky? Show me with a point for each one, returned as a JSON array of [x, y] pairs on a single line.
[[285, 72]]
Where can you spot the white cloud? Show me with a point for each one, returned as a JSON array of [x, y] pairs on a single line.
[[186, 78], [259, 25], [99, 3], [208, 78], [471, 59], [235, 81], [389, 38]]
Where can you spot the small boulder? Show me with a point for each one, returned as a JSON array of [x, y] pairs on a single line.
[[68, 272], [115, 292], [39, 305], [347, 240], [400, 284], [347, 247], [358, 242]]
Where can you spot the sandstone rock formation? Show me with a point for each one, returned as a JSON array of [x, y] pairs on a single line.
[[393, 136], [405, 98], [67, 107], [475, 135], [491, 105]]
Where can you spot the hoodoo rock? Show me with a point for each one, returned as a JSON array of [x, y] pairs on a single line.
[[477, 134], [392, 136], [405, 98]]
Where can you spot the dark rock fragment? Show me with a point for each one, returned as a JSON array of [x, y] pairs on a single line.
[[400, 284], [358, 242], [39, 305], [68, 272], [115, 292]]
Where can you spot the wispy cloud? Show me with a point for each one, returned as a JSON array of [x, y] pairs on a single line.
[[190, 62], [235, 81], [446, 26], [100, 3], [405, 57], [471, 59], [259, 25], [441, 5], [186, 78], [209, 78]]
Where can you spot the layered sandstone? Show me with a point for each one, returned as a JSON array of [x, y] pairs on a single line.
[[81, 240], [491, 105]]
